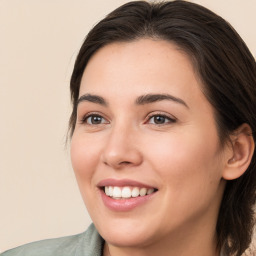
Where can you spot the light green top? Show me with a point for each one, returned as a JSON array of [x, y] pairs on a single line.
[[88, 243]]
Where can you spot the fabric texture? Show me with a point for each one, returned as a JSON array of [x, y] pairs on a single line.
[[89, 243]]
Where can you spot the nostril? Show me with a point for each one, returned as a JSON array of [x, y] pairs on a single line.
[[124, 162], [121, 157]]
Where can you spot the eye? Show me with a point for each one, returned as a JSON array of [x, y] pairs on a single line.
[[160, 119], [94, 119]]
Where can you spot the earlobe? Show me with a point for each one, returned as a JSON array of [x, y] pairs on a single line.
[[242, 151]]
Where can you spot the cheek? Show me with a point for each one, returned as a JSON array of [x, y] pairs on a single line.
[[186, 157], [190, 172], [84, 157]]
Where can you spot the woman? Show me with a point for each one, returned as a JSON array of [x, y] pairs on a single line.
[[162, 135]]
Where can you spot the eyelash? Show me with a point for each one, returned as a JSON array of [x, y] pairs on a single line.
[[89, 115], [166, 117], [153, 115]]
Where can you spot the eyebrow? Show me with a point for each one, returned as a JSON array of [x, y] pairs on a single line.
[[150, 98], [92, 98], [141, 100]]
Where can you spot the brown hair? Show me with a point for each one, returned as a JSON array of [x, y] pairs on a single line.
[[227, 70]]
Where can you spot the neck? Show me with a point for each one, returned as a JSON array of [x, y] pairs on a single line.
[[181, 244]]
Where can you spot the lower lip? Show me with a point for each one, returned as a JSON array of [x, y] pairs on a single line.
[[123, 205]]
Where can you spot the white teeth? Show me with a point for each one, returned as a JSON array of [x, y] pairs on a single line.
[[126, 192], [107, 191], [143, 191], [150, 191], [135, 192], [117, 192], [110, 191]]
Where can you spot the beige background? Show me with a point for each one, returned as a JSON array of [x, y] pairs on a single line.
[[38, 43]]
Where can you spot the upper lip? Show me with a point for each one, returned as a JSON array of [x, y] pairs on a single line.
[[122, 183]]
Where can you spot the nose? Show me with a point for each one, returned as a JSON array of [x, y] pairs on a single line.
[[121, 149]]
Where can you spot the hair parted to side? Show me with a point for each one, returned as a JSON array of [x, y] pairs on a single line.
[[225, 66]]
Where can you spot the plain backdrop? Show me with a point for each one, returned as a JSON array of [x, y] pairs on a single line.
[[39, 40]]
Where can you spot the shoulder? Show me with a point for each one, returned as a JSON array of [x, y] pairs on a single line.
[[88, 243]]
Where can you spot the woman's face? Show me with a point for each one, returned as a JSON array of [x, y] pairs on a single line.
[[144, 126]]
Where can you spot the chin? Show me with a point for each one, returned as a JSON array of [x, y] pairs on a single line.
[[126, 240], [125, 234]]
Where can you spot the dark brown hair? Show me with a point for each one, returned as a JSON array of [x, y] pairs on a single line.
[[227, 70]]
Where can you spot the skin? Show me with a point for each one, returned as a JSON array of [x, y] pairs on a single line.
[[181, 157]]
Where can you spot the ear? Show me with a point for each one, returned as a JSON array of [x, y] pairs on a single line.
[[240, 156]]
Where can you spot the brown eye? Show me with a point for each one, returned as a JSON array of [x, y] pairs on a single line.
[[94, 120], [160, 119]]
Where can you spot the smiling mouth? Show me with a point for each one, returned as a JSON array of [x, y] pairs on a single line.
[[126, 192]]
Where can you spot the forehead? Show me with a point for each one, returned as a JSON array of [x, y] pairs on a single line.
[[143, 66]]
